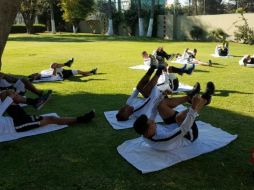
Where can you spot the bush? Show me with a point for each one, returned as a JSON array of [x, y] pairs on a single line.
[[197, 33], [37, 28], [244, 34], [217, 35]]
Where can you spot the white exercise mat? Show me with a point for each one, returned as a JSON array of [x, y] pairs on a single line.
[[11, 134], [140, 67], [145, 159], [111, 118]]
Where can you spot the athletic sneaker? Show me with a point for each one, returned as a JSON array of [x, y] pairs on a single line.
[[210, 88], [194, 91], [41, 101], [69, 62], [190, 69], [94, 71], [86, 117]]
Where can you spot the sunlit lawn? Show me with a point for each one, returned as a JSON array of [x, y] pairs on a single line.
[[85, 156]]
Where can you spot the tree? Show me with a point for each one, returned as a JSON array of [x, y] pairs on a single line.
[[140, 19], [76, 10], [8, 12], [29, 9], [52, 17], [150, 26], [110, 21]]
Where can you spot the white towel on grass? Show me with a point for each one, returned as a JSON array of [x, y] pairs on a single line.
[[47, 76], [145, 159], [140, 67], [111, 118], [11, 134]]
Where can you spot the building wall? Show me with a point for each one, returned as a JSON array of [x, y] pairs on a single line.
[[184, 24]]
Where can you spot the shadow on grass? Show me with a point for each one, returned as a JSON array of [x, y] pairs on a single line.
[[90, 150], [80, 38], [228, 92], [201, 71]]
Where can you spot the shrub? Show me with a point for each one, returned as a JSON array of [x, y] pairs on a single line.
[[37, 28], [244, 34], [217, 35], [197, 33]]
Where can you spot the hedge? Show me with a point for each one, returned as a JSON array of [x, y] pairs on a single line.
[[37, 28]]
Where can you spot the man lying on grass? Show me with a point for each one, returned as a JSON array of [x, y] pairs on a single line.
[[181, 129], [22, 121], [147, 86], [21, 85], [56, 69]]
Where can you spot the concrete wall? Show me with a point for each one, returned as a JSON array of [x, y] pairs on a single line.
[[208, 22]]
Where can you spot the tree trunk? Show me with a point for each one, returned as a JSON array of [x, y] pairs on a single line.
[[195, 4], [52, 18], [110, 31], [140, 20], [29, 18], [150, 27], [119, 5], [8, 12], [75, 28], [189, 7]]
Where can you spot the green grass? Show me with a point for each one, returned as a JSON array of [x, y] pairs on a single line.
[[85, 156]]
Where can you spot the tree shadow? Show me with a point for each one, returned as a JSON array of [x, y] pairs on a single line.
[[228, 92], [81, 38], [90, 150]]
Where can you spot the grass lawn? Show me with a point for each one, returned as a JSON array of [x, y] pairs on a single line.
[[85, 156]]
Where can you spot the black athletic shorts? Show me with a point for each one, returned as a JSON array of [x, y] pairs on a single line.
[[67, 73], [192, 135], [27, 123], [22, 121]]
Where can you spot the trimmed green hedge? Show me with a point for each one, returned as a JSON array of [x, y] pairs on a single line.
[[37, 28]]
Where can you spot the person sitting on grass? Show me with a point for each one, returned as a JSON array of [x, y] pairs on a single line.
[[189, 57], [248, 60], [159, 54], [181, 129], [222, 49], [22, 121], [151, 60], [148, 89], [56, 69], [21, 85]]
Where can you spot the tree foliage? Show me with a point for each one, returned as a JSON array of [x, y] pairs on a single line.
[[29, 9], [76, 10], [245, 33]]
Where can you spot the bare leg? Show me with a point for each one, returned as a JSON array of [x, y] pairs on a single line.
[[200, 63], [197, 104], [147, 89], [166, 106], [59, 121], [29, 86], [85, 73], [15, 96], [145, 79]]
